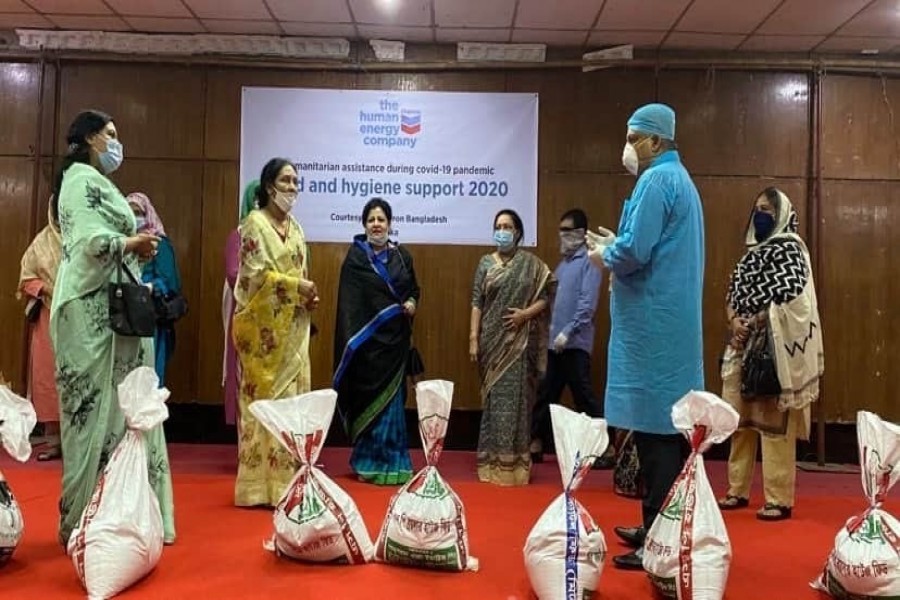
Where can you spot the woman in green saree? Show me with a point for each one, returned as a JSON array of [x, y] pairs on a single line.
[[98, 231]]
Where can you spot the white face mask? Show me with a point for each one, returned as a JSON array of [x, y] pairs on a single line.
[[285, 200], [377, 240], [630, 159]]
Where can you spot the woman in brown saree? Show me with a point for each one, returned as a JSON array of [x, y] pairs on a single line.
[[508, 339]]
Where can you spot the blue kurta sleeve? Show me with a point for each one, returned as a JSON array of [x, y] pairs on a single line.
[[641, 233]]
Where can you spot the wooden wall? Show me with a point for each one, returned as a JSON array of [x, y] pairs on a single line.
[[738, 132]]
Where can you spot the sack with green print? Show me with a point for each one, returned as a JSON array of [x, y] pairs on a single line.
[[425, 524], [315, 520], [687, 552], [17, 420], [865, 561]]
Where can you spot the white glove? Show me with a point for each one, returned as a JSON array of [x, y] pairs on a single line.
[[608, 235], [597, 243], [559, 344]]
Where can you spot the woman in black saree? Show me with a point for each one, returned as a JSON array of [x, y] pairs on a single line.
[[377, 300]]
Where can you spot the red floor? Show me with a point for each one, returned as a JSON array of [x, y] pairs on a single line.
[[219, 549]]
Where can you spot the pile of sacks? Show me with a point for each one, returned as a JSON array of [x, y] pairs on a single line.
[[317, 521]]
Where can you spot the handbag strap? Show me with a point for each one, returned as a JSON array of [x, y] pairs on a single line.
[[120, 266]]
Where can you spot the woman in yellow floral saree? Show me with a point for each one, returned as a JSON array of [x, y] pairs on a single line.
[[270, 329]]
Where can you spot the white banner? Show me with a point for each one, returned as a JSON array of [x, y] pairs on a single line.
[[445, 161]]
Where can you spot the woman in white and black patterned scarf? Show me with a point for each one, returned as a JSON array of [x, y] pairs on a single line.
[[771, 287]]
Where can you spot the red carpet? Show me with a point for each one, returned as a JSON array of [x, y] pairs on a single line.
[[219, 549]]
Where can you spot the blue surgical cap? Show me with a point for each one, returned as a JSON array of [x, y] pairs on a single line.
[[654, 119]]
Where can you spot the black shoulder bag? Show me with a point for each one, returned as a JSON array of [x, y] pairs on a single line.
[[169, 307]]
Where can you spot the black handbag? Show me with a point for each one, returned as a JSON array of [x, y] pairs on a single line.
[[131, 309], [414, 364], [759, 373], [169, 307]]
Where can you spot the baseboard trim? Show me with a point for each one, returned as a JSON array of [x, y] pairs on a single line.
[[205, 424]]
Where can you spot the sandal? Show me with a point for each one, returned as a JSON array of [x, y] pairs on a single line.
[[52, 453], [773, 512], [730, 502], [536, 450]]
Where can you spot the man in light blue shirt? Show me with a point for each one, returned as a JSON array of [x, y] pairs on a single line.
[[656, 337], [571, 333]]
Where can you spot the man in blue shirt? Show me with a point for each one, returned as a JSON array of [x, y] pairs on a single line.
[[656, 338], [571, 333]]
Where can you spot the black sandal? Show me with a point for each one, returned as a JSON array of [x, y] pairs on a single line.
[[536, 450], [783, 512], [733, 502]]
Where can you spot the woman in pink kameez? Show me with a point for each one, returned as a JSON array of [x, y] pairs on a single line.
[[36, 281]]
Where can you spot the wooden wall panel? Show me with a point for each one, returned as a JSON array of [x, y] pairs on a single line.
[[223, 102], [219, 215], [858, 270], [861, 132], [47, 171], [428, 82], [19, 89], [583, 116], [175, 188], [735, 123], [158, 109], [16, 177], [49, 115]]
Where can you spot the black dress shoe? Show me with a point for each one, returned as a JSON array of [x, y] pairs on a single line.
[[633, 561], [632, 536], [604, 463]]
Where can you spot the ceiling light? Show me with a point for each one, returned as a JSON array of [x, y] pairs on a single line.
[[616, 53], [388, 51], [184, 44], [388, 5], [472, 52]]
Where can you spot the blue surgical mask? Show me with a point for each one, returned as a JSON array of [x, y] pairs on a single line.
[[504, 239], [763, 224], [111, 159]]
